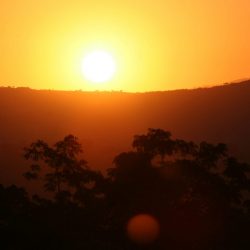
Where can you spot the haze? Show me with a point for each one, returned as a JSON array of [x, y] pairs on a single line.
[[158, 45]]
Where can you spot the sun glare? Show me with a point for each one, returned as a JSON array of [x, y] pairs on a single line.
[[98, 66]]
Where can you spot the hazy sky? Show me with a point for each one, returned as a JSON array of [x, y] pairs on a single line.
[[158, 45]]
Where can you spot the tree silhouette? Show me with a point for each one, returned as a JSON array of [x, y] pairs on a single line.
[[195, 189], [197, 192], [66, 175]]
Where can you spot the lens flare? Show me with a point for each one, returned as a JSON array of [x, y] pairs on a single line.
[[143, 229]]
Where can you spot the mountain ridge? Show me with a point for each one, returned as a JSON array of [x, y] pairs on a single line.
[[106, 122], [230, 84]]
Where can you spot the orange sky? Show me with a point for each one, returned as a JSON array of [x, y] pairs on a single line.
[[158, 45]]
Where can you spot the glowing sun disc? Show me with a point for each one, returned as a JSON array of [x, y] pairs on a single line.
[[98, 66]]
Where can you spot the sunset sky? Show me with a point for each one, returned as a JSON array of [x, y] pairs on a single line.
[[157, 45]]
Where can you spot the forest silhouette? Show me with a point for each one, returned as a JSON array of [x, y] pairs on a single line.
[[195, 195], [105, 121]]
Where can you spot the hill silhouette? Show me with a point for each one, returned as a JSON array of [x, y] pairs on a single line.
[[106, 121]]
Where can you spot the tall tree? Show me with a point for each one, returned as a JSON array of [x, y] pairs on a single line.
[[66, 175], [196, 190]]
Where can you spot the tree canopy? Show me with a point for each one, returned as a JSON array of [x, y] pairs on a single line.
[[195, 194]]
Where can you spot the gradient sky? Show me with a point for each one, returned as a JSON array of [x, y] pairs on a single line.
[[158, 45]]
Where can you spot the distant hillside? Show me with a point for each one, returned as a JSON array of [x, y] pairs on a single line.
[[105, 122]]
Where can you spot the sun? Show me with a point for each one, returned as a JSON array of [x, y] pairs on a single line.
[[98, 66]]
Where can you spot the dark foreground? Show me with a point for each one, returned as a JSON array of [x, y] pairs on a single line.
[[187, 196]]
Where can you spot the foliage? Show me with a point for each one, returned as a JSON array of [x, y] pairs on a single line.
[[194, 189], [198, 193], [66, 175]]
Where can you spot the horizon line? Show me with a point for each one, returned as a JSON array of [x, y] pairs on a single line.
[[234, 82]]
